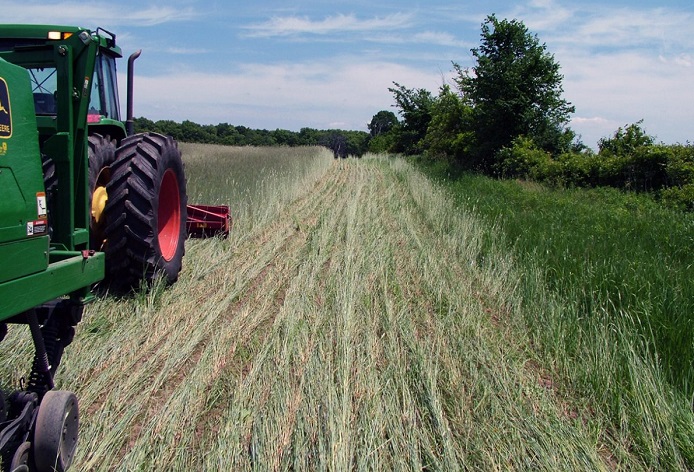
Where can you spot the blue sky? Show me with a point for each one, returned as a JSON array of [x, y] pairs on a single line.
[[328, 64]]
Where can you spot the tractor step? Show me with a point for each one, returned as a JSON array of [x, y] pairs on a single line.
[[208, 220]]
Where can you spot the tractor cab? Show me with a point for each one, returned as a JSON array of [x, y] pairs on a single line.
[[103, 99], [97, 70]]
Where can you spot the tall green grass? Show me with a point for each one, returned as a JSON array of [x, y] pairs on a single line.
[[608, 297]]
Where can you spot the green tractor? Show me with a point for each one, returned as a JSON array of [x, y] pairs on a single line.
[[84, 202]]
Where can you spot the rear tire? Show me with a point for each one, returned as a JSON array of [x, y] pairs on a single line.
[[55, 435], [145, 212]]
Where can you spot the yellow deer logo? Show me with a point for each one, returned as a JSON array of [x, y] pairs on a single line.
[[5, 112]]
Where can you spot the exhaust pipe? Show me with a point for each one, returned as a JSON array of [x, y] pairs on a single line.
[[129, 125]]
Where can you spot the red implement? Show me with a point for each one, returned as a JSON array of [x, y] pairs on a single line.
[[208, 220]]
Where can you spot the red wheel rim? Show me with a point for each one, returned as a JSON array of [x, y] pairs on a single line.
[[169, 215]]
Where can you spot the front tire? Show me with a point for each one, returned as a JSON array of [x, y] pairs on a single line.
[[145, 212], [55, 435]]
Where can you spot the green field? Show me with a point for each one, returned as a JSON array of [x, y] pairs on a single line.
[[358, 317]]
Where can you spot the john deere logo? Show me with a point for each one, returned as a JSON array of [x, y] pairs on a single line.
[[5, 111]]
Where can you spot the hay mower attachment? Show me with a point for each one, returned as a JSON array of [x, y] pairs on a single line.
[[208, 220]]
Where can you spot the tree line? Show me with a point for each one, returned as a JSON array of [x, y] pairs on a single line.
[[506, 117], [342, 143]]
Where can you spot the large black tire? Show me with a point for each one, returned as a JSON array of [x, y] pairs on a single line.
[[145, 212], [102, 153], [55, 434]]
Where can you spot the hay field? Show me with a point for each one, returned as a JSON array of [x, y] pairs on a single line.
[[351, 321]]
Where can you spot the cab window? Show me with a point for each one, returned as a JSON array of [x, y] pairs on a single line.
[[44, 86], [104, 96]]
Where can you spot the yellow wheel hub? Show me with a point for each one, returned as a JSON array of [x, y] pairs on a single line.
[[99, 203]]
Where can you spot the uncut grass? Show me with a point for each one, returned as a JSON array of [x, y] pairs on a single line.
[[248, 179], [616, 320], [607, 251]]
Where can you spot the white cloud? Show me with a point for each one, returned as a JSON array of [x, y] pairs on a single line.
[[542, 15], [684, 60], [294, 25], [91, 14], [348, 91], [431, 39], [630, 28], [624, 87], [187, 51], [603, 26], [438, 38]]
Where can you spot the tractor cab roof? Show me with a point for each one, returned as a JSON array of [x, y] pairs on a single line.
[[14, 36]]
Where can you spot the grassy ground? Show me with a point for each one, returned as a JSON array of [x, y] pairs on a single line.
[[606, 251], [618, 322], [352, 321]]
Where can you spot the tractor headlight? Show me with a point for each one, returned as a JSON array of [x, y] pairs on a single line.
[[58, 35]]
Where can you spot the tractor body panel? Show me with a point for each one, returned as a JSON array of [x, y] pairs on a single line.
[[65, 275], [23, 214]]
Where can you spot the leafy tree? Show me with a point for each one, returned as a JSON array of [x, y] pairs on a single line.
[[228, 135], [626, 140], [382, 122], [515, 90], [143, 124], [345, 142], [309, 136], [192, 132], [284, 137], [383, 132], [383, 142], [170, 128], [357, 142], [415, 108], [259, 137], [336, 142], [449, 132]]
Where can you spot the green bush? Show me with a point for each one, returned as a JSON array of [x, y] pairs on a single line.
[[382, 143], [631, 160], [680, 165], [523, 159], [681, 198], [578, 169], [645, 168]]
